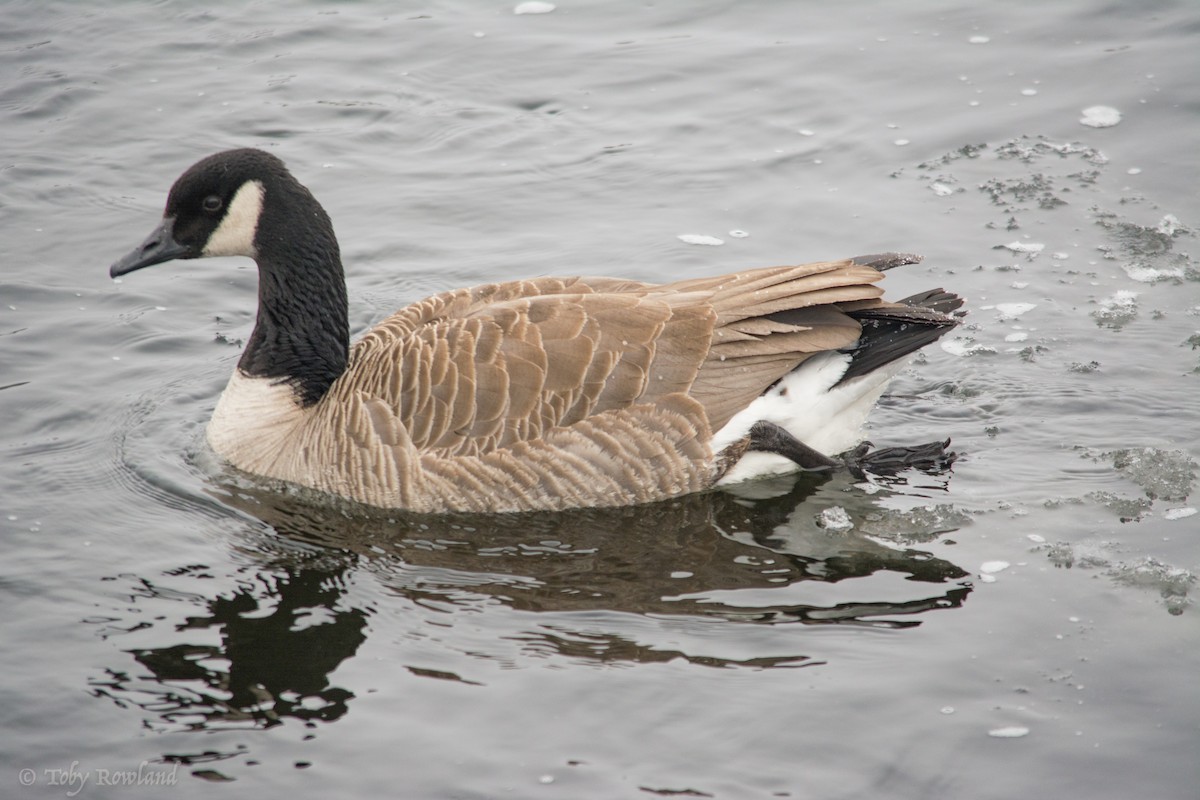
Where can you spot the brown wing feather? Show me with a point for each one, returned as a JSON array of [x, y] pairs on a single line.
[[771, 320], [472, 371], [478, 370]]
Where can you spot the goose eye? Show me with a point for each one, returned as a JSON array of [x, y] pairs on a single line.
[[211, 203]]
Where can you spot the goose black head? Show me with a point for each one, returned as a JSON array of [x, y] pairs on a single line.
[[212, 210]]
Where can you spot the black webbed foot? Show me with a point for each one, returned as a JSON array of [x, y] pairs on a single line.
[[928, 457], [767, 437]]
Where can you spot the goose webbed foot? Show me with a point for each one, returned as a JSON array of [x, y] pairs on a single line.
[[928, 457], [767, 437]]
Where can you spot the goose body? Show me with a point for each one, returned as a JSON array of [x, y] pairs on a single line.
[[548, 393]]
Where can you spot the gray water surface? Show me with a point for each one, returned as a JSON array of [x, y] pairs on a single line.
[[1024, 626]]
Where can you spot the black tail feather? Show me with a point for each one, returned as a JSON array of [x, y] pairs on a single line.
[[893, 332], [938, 300]]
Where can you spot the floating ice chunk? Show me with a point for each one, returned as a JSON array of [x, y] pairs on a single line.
[[979, 40], [806, 132], [1179, 513], [941, 189], [698, 238], [534, 7], [1032, 248], [1123, 299], [1134, 171], [1019, 336], [738, 234], [1100, 117], [1166, 474], [1020, 284], [1029, 92], [992, 567], [1173, 583], [1144, 274], [1169, 224], [1118, 309], [1014, 310], [835, 519], [1036, 538], [901, 142], [1009, 732], [920, 524]]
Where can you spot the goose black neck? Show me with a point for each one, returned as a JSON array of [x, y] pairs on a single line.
[[302, 334]]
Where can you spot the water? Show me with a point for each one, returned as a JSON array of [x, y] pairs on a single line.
[[805, 639]]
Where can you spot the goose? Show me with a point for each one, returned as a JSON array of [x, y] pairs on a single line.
[[541, 394]]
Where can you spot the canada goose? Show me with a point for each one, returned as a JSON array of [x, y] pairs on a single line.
[[547, 393]]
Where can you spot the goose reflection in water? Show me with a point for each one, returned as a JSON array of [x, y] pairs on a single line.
[[708, 557]]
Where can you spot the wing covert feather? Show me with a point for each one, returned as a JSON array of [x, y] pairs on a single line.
[[474, 370]]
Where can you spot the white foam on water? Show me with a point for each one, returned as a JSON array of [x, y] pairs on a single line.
[[992, 567], [964, 346], [1179, 513]]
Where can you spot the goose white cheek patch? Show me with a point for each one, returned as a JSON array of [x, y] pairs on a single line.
[[235, 235]]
